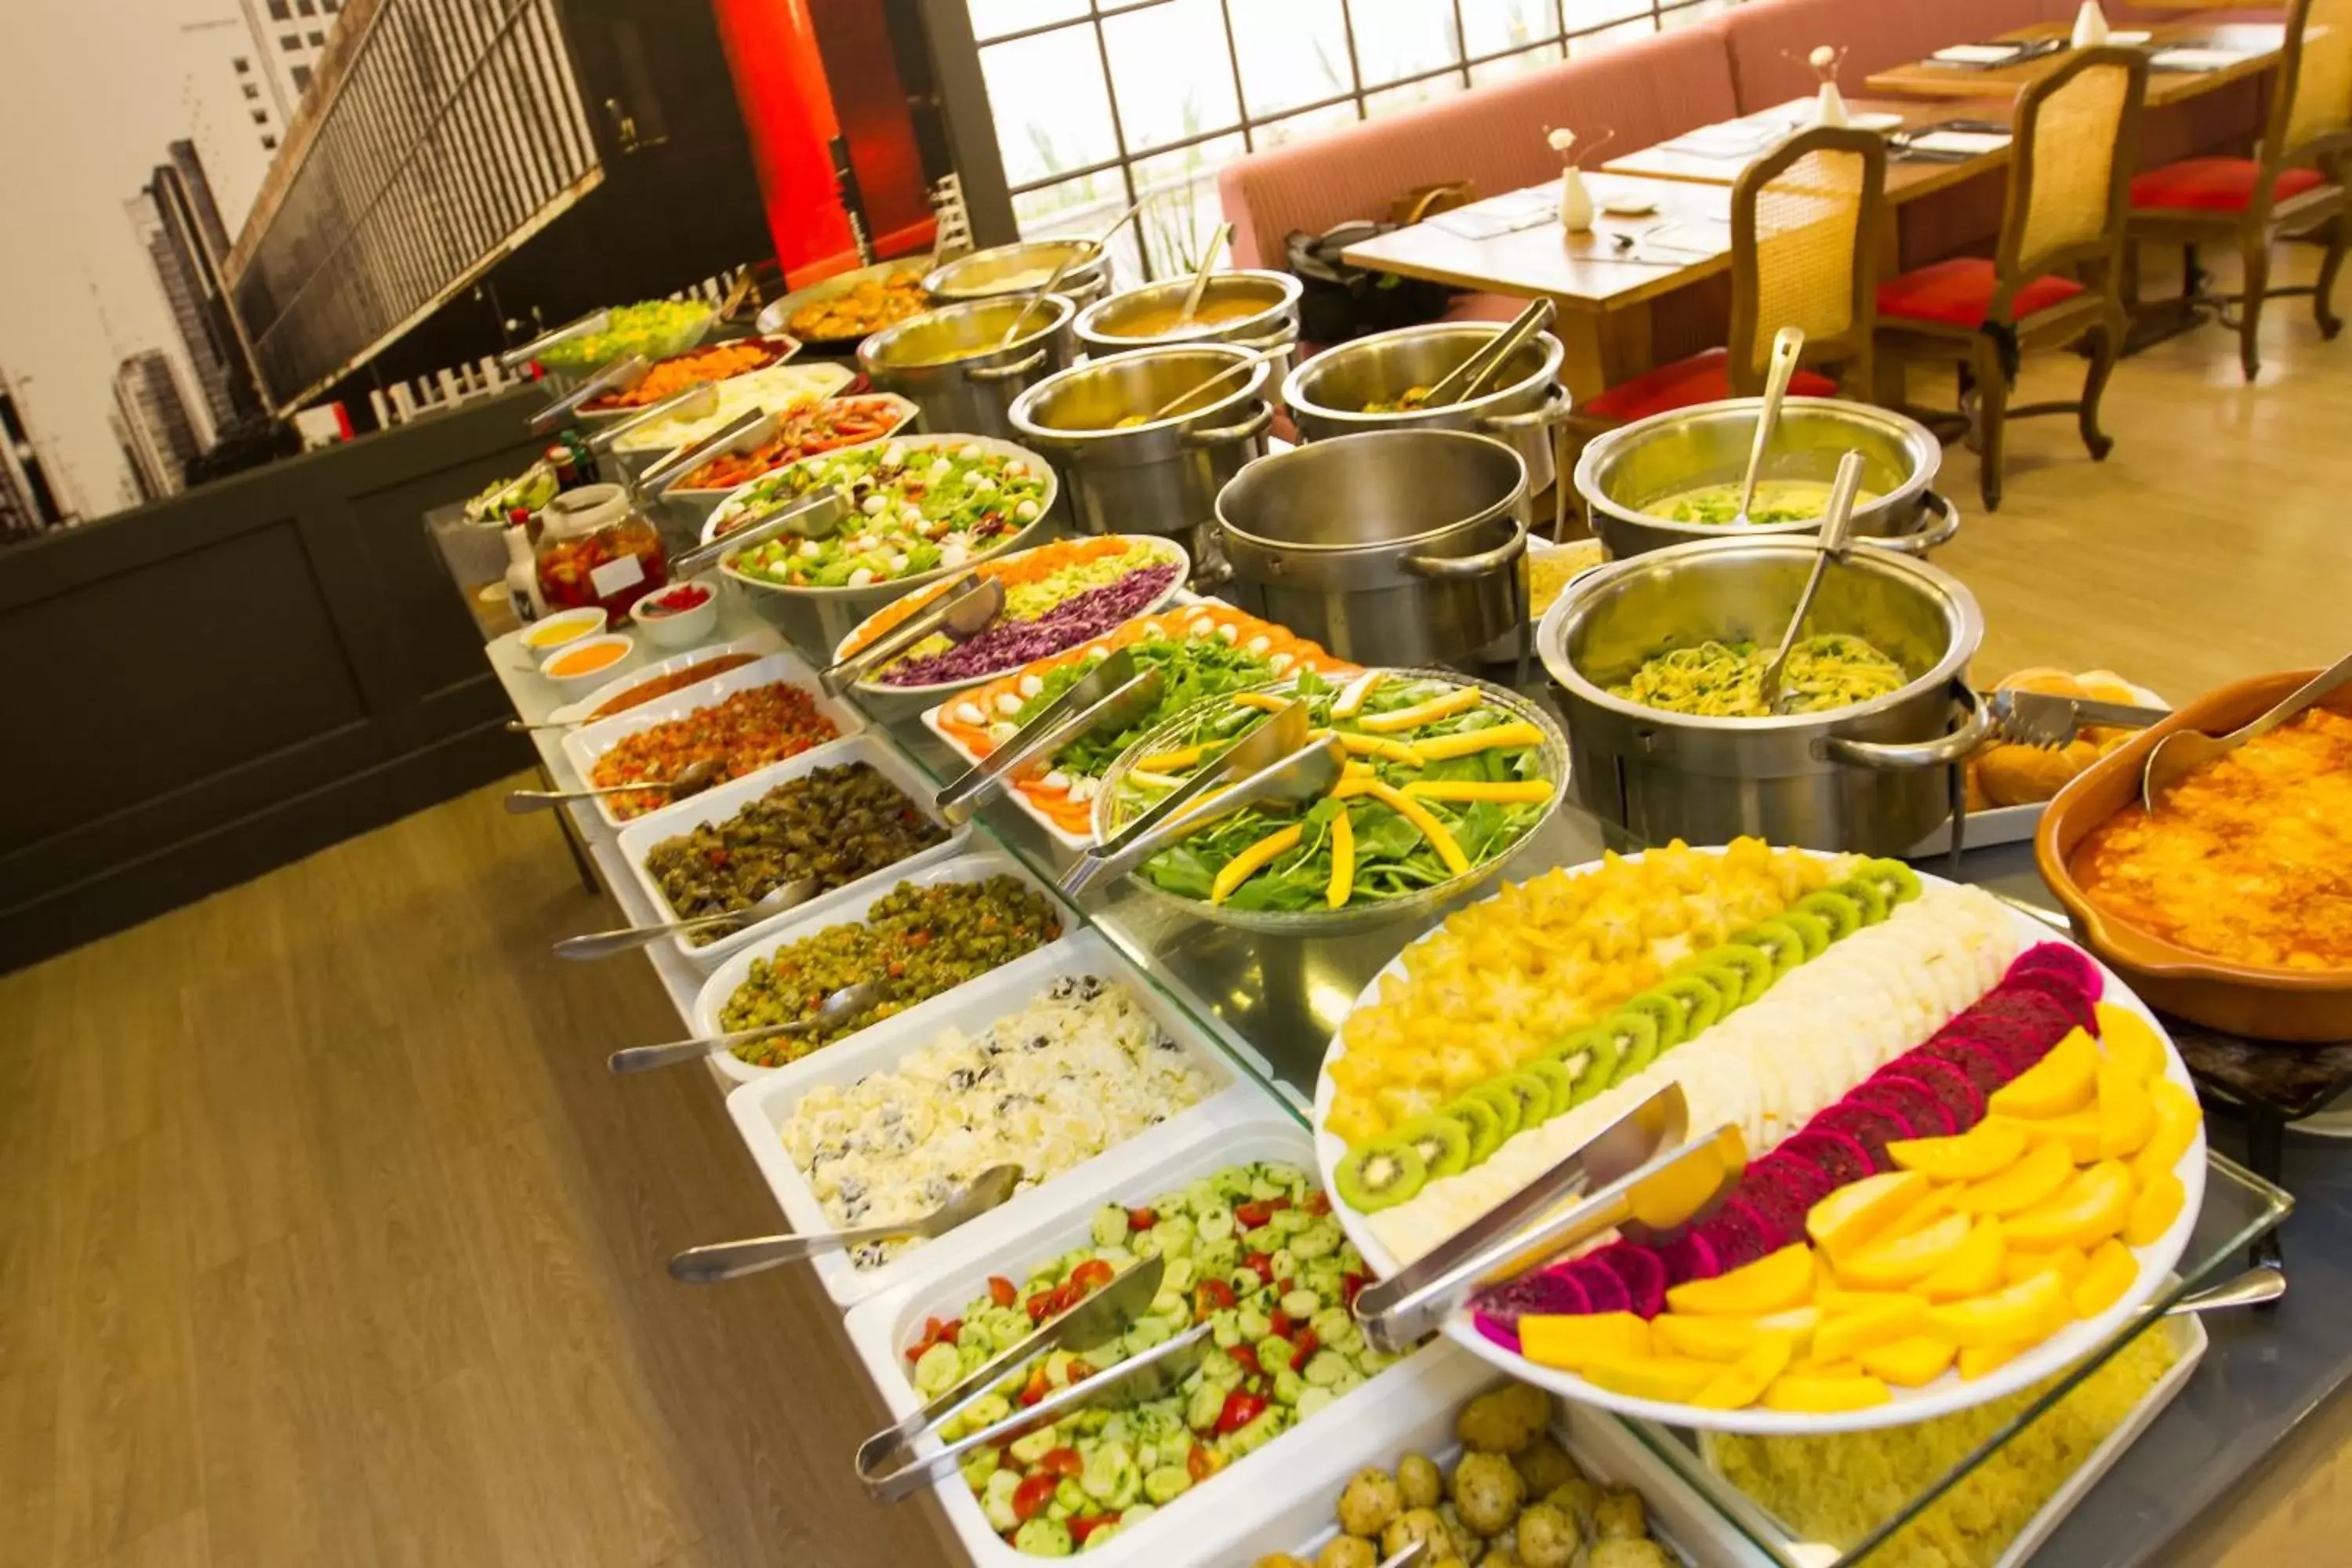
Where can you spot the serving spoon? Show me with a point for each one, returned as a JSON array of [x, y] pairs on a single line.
[[1249, 362], [693, 779], [839, 1007], [1787, 345], [604, 944], [1085, 253], [2183, 752], [734, 1260], [1837, 528], [1201, 279]]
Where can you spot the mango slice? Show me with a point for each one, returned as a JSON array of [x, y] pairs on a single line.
[[1850, 1217], [1975, 1360], [1670, 1380], [1741, 1383], [1784, 1279], [2126, 1038], [2178, 1117], [2110, 1273], [2022, 1314], [1974, 1268], [2068, 1262], [1993, 1144], [1797, 1323], [2061, 1081], [1910, 1362], [2155, 1209], [1847, 1335], [2091, 1207], [1706, 1339], [1838, 1300], [1574, 1341], [2076, 1133], [2045, 1169], [2127, 1114], [1918, 1216], [1892, 1265], [1818, 1394]]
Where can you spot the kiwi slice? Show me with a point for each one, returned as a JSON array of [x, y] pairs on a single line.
[[1443, 1143], [1507, 1109], [1558, 1085], [1811, 928], [1843, 911], [1480, 1121], [1700, 1000], [1748, 969], [1777, 941], [1866, 893], [1666, 1021], [1380, 1171], [1533, 1094], [1635, 1032], [1895, 882], [1590, 1058]]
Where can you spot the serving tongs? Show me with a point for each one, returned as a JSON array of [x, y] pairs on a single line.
[[1112, 693], [1638, 1175], [968, 608], [888, 1463], [2184, 752], [618, 376], [594, 322], [666, 475], [725, 1260], [1297, 776], [817, 515], [1284, 731], [697, 402], [1461, 384], [2043, 719]]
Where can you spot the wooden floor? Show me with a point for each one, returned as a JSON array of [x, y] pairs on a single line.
[[325, 1239]]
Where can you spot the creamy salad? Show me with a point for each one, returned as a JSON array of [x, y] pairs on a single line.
[[774, 389]]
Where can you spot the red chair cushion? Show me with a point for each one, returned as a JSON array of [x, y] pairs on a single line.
[[2214, 184], [1702, 378], [1958, 290]]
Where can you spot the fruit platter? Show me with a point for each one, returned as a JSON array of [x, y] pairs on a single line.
[[1057, 597], [1446, 778], [1972, 1153], [1207, 649]]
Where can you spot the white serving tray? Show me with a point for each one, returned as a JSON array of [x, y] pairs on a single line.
[[762, 643], [638, 840], [844, 905], [585, 746], [764, 431], [1254, 1489], [760, 1109]]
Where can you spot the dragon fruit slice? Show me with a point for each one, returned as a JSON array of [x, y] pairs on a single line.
[[1547, 1291], [1980, 1064], [1688, 1256], [1837, 1155], [1908, 1101], [1783, 1175], [1497, 1330], [1952, 1085], [1601, 1285], [1736, 1231], [1643, 1273], [2064, 959], [1871, 1126]]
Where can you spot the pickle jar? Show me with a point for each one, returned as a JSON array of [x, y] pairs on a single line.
[[595, 548]]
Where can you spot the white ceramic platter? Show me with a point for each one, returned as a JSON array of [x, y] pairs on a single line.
[[903, 415]]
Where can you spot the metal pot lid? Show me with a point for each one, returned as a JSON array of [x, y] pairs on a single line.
[[1587, 595], [1138, 381], [1276, 291], [1323, 470], [976, 324], [1544, 349]]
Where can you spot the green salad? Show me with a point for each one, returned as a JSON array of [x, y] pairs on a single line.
[[653, 327], [1253, 1251], [913, 509], [1442, 778]]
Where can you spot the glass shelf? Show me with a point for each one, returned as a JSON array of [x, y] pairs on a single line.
[[1272, 1004]]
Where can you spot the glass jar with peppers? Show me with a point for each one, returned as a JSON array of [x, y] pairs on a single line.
[[594, 548]]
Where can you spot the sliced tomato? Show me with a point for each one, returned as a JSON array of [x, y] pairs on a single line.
[[1079, 1370], [1061, 1462], [1240, 1410], [1142, 1219], [1351, 1285], [1276, 1205], [1029, 1498], [1260, 1264], [1002, 1290], [1245, 1357], [1085, 1524], [1039, 1305], [1280, 1320], [1093, 1274], [1211, 1296], [1036, 1388], [1249, 1216], [1307, 1345], [1201, 1463], [949, 1329], [1319, 1203]]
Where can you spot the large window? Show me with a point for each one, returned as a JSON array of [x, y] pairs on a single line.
[[1099, 104]]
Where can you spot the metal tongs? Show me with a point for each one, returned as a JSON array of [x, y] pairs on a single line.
[[1298, 774], [815, 516], [2040, 718], [695, 403], [1110, 693], [1642, 1176], [1461, 384], [664, 477], [965, 610], [594, 322], [618, 376], [891, 1468]]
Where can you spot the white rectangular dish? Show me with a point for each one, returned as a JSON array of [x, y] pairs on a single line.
[[761, 1108], [638, 840], [844, 905], [583, 748], [956, 1269]]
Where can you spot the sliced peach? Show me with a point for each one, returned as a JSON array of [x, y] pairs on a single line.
[[1909, 1361], [1576, 1340], [1817, 1393], [2128, 1040], [1670, 1380], [2127, 1114], [2092, 1206], [2178, 1117], [2066, 1262], [2155, 1209], [2044, 1169], [1850, 1217], [1705, 1338], [1847, 1335], [1972, 1269], [1783, 1280], [2025, 1313], [1892, 1265], [1993, 1144], [2111, 1272], [1975, 1360], [1742, 1383], [2064, 1081], [2076, 1133]]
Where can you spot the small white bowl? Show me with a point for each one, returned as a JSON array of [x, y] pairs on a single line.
[[582, 679], [678, 629], [562, 629]]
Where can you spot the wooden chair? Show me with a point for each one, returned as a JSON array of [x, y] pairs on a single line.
[[2293, 186], [2069, 173], [1804, 227]]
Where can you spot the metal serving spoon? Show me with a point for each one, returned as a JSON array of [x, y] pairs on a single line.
[[1248, 362], [1201, 279], [734, 1260], [2185, 751], [1787, 345], [1461, 384], [1085, 253], [1837, 528], [839, 1007], [697, 776], [604, 944]]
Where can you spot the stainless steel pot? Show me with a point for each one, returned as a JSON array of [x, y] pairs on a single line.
[[1108, 326], [1327, 396], [1157, 477], [1653, 459], [948, 362], [1391, 547], [1014, 269], [1875, 777]]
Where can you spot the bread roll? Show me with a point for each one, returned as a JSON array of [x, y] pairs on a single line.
[[2022, 775]]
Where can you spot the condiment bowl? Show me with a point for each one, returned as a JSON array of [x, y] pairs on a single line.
[[562, 629], [678, 629], [596, 673]]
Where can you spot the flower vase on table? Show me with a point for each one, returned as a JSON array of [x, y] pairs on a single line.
[[2090, 27]]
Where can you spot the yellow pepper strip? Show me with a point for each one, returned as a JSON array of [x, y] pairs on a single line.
[[1461, 699], [1355, 770], [1147, 779], [1374, 746], [1351, 698], [1349, 788], [1247, 864], [1264, 701], [1343, 862], [1466, 790], [1412, 811], [1171, 762], [1438, 748]]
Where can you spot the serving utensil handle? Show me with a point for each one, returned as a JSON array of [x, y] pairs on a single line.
[[604, 944], [626, 373], [822, 508], [843, 674], [1787, 343], [1937, 534], [1249, 429], [734, 1260], [2301, 698], [645, 1058], [1454, 567], [693, 455], [1300, 776]]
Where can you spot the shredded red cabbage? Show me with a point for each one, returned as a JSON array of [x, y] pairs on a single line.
[[1009, 645]]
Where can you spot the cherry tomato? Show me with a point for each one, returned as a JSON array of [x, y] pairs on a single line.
[[1249, 1216], [1319, 1203], [1201, 1463], [1092, 1275], [1002, 1290], [1211, 1296], [1260, 1264], [949, 1329], [1308, 1345], [1245, 1357], [1039, 1305], [1240, 1410], [1029, 1500], [1085, 1524], [1281, 1323], [1142, 1219], [1061, 1462]]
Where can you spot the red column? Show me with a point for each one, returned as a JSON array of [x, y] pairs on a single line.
[[771, 52]]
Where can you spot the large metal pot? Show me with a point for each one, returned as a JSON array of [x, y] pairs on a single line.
[[1110, 326], [1327, 396], [1157, 477], [1875, 777], [1391, 547], [1651, 460], [1020, 268], [949, 364]]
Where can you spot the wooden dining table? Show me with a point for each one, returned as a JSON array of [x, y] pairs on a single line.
[[1718, 155], [2256, 45], [1648, 238]]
